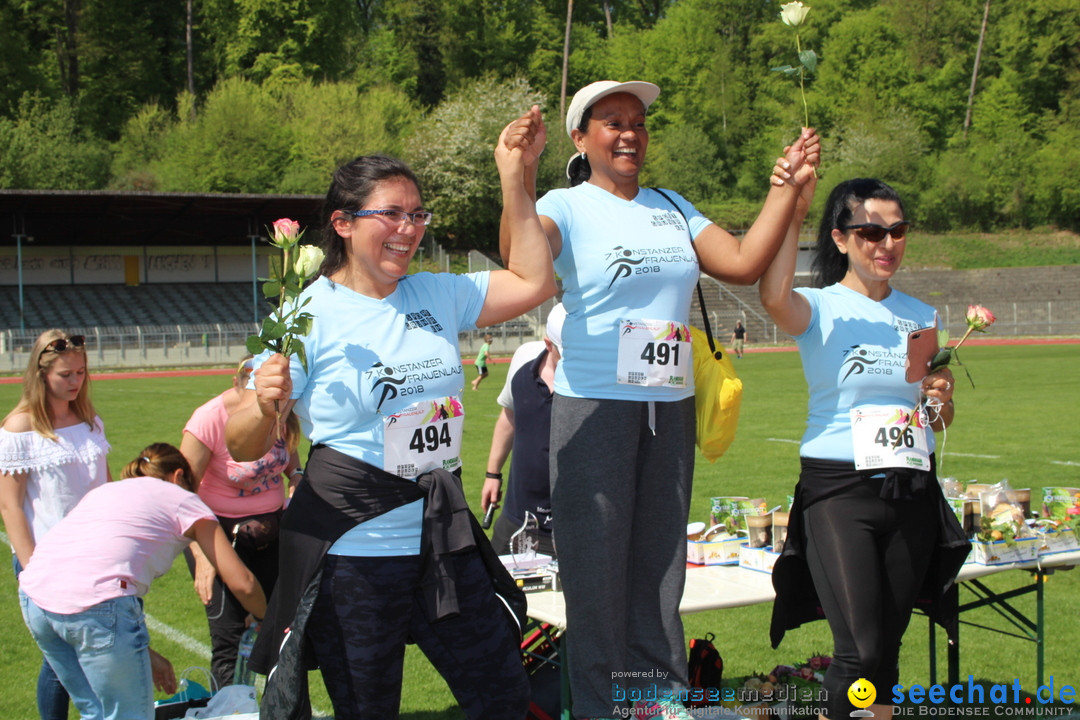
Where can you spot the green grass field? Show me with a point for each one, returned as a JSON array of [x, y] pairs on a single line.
[[1015, 424]]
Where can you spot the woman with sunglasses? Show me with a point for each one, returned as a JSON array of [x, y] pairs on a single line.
[[868, 517], [248, 499], [376, 543], [82, 592], [52, 452]]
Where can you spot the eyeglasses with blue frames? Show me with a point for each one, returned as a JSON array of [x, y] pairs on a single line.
[[872, 232], [420, 217]]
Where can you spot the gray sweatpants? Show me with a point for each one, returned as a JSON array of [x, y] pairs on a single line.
[[620, 498]]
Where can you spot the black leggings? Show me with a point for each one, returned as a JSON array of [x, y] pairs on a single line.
[[368, 607], [868, 557], [224, 613]]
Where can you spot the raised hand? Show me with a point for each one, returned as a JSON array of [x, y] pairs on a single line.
[[528, 133]]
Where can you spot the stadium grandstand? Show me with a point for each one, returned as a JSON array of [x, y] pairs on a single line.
[[151, 279]]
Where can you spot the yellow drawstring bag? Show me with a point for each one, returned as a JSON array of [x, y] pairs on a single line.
[[717, 396], [717, 390]]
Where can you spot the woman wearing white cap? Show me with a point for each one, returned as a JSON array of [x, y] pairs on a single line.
[[623, 426]]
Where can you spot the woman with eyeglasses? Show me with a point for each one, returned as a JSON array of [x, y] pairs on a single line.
[[52, 452], [82, 591], [248, 499], [869, 523], [378, 545]]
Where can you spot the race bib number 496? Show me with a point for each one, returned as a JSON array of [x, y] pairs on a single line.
[[424, 436], [883, 438], [654, 353]]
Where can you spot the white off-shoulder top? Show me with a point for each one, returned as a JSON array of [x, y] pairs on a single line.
[[60, 471]]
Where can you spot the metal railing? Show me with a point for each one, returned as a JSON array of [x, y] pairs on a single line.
[[140, 346], [1053, 318], [162, 346], [723, 313], [1059, 318], [147, 346]]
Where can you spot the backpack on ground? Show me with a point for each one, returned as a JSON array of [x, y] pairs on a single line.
[[705, 668]]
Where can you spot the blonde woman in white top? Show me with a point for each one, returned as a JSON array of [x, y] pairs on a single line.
[[52, 452]]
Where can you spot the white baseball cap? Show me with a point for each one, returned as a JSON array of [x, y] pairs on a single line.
[[646, 92], [554, 325]]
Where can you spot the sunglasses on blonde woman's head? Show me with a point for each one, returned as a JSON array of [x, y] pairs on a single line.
[[59, 345], [872, 232]]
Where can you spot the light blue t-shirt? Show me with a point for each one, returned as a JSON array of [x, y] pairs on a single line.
[[620, 260], [853, 354], [370, 358]]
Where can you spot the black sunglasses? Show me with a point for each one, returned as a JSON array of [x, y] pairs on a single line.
[[872, 232], [59, 345]]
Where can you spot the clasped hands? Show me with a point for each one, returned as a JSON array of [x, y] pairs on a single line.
[[797, 167], [527, 133]]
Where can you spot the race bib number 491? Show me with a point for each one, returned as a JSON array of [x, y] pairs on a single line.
[[654, 353], [424, 436]]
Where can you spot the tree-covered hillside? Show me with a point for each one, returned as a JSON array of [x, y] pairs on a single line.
[[269, 95]]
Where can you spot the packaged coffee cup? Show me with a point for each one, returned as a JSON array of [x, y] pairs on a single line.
[[976, 515], [779, 530], [759, 529], [1022, 498]]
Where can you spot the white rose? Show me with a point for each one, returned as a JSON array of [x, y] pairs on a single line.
[[308, 261], [793, 13]]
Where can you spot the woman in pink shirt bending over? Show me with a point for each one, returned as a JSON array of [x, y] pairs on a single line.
[[81, 593]]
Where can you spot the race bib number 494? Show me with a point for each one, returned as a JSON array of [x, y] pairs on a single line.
[[654, 353], [424, 436], [883, 438]]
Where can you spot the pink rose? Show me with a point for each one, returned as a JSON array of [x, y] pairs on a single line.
[[979, 318], [286, 233]]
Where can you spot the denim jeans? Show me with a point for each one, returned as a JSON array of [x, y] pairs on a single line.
[[101, 655], [52, 698]]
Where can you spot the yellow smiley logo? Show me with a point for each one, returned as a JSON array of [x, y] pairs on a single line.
[[862, 693]]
